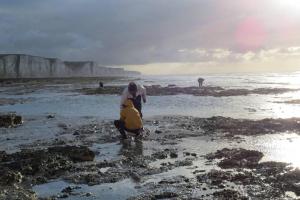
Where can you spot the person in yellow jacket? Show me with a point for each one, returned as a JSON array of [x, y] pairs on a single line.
[[130, 119]]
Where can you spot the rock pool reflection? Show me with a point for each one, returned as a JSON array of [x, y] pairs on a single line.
[[131, 149]]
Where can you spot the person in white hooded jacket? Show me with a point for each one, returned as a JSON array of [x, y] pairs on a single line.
[[135, 92]]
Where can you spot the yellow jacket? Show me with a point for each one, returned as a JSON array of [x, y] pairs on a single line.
[[131, 116]]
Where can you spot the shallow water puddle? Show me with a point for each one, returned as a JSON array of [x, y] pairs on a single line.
[[119, 190], [129, 147], [283, 147], [276, 147], [107, 151]]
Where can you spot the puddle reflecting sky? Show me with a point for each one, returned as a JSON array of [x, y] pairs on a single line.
[[119, 190]]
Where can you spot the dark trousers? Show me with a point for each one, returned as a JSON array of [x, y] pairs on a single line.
[[120, 125], [137, 102]]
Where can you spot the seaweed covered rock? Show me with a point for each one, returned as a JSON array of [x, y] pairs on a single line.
[[49, 163], [76, 154], [10, 120], [9, 177], [236, 158], [228, 194], [16, 193], [248, 127], [291, 181]]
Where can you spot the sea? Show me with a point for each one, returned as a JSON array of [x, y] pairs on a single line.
[[255, 106]]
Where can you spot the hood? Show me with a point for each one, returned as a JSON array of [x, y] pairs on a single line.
[[128, 103]]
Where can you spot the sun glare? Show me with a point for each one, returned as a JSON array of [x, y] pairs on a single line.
[[287, 150], [291, 6]]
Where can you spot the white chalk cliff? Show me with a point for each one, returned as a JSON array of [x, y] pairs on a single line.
[[27, 66]]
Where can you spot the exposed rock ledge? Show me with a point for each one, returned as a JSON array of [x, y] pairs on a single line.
[[156, 90]]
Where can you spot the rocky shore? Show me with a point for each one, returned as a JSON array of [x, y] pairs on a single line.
[[49, 155], [215, 91], [155, 161]]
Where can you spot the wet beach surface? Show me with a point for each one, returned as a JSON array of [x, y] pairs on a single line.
[[67, 147]]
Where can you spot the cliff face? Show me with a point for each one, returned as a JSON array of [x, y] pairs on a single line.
[[26, 66]]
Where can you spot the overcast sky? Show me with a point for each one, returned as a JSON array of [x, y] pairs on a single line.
[[157, 36]]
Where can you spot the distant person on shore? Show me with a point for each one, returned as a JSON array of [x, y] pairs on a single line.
[[130, 120], [200, 81], [135, 92], [101, 85]]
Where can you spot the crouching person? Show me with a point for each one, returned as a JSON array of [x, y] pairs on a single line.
[[130, 120]]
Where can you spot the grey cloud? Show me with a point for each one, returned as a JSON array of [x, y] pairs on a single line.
[[115, 32]]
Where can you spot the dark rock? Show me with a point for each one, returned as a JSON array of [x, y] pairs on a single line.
[[3, 156], [51, 116], [165, 195], [70, 189], [41, 165], [229, 194], [76, 133], [41, 180], [160, 155], [173, 155], [236, 158], [88, 194], [63, 196], [248, 127], [171, 85], [16, 193], [10, 120], [187, 153], [77, 154], [9, 177], [198, 171], [186, 162], [135, 176]]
